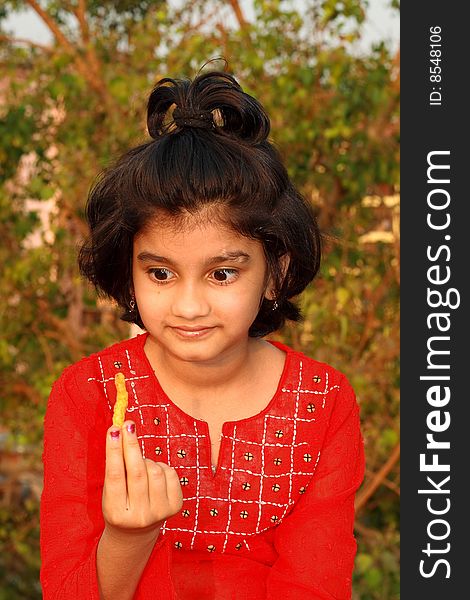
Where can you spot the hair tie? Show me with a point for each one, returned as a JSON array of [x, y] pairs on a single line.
[[202, 119]]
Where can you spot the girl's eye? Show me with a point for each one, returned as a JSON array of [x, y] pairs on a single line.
[[225, 276], [161, 274]]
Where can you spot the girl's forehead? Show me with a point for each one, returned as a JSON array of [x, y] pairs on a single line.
[[193, 235]]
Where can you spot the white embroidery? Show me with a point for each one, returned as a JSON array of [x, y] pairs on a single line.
[[210, 489], [102, 377], [229, 495], [198, 486]]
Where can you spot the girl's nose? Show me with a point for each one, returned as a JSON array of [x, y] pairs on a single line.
[[189, 302]]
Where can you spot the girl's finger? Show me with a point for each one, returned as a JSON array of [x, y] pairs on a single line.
[[137, 482], [114, 490], [173, 488], [158, 494], [174, 491]]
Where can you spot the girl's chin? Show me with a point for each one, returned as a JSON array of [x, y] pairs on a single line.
[[205, 347]]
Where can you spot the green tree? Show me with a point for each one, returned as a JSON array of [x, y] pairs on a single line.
[[68, 108]]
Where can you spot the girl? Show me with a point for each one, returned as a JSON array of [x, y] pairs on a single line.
[[234, 475]]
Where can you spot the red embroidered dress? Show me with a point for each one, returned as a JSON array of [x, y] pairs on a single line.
[[275, 519]]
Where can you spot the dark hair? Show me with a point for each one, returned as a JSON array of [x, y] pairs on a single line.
[[213, 150]]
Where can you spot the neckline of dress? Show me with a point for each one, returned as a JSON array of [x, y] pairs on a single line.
[[286, 349]]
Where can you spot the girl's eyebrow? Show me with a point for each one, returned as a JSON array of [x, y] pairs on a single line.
[[235, 256]]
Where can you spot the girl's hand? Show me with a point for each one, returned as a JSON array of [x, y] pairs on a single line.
[[138, 493]]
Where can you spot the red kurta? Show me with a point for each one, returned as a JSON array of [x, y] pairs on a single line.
[[275, 520]]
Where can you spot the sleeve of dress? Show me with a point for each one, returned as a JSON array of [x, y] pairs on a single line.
[[71, 519], [315, 543]]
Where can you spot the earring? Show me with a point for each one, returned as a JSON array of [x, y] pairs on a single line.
[[132, 304], [275, 305]]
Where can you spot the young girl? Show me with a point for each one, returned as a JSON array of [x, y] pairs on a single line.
[[234, 474]]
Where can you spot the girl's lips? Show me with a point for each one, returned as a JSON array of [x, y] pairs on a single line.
[[189, 333]]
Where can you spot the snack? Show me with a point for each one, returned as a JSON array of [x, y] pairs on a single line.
[[120, 406]]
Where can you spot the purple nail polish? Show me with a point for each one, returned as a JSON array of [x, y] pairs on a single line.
[[115, 434], [131, 428]]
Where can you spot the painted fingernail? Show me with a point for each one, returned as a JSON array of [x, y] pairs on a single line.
[[115, 434], [131, 428]]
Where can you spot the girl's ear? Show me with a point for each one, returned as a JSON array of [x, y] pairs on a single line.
[[270, 292]]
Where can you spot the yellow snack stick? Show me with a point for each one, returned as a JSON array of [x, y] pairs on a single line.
[[120, 406]]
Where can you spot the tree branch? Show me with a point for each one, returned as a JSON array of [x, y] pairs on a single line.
[[238, 13], [89, 74], [62, 331], [369, 324], [377, 480], [25, 389], [80, 12], [55, 29], [44, 347], [14, 40], [386, 482]]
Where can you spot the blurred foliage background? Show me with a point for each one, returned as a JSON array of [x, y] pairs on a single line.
[[68, 108]]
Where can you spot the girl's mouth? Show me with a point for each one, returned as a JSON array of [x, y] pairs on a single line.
[[192, 332]]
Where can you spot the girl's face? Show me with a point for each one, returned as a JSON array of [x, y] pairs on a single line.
[[198, 287]]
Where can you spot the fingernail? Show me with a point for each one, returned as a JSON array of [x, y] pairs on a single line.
[[131, 428], [115, 434]]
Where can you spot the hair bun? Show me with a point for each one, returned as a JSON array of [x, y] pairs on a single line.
[[204, 119], [213, 100]]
